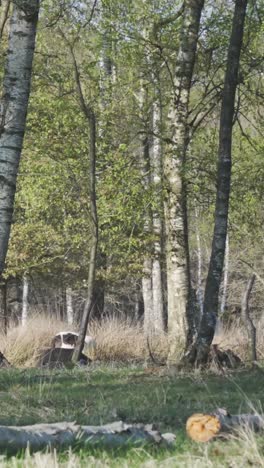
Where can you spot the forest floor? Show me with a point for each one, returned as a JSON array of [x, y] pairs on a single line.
[[99, 395]]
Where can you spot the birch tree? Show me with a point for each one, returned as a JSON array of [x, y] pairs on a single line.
[[157, 211], [144, 150], [14, 103], [177, 255], [199, 352]]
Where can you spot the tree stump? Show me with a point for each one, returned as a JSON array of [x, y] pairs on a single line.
[[59, 358]]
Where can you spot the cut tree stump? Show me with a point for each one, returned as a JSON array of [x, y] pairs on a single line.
[[204, 427], [66, 434], [59, 358]]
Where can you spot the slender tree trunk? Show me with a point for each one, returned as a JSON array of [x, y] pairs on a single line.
[[147, 291], [225, 278], [94, 242], [138, 305], [69, 306], [3, 305], [5, 6], [14, 103], [147, 297], [24, 316], [157, 216], [199, 352], [251, 329], [199, 264], [90, 116], [147, 287], [105, 130], [177, 252]]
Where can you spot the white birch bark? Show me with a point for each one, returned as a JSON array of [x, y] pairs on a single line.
[[147, 286], [199, 264], [14, 103], [69, 306], [177, 252], [147, 296], [225, 278], [24, 315], [157, 219], [147, 291]]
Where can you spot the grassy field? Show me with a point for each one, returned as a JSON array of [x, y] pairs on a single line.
[[103, 394]]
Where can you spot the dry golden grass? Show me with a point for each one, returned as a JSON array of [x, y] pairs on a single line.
[[22, 344], [119, 340], [116, 339], [235, 337]]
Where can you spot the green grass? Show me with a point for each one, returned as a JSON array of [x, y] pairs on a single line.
[[100, 395]]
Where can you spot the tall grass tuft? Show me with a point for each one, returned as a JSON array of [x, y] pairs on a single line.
[[22, 344], [120, 340], [116, 340]]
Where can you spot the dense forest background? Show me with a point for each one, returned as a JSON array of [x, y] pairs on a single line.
[[120, 58]]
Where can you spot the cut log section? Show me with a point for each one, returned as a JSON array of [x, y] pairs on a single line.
[[64, 434], [202, 427]]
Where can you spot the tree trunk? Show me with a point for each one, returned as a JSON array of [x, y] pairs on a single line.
[[251, 329], [147, 296], [225, 279], [157, 216], [5, 6], [24, 315], [199, 264], [89, 302], [105, 131], [200, 351], [177, 252], [147, 290], [3, 305], [14, 103], [69, 306], [147, 286], [63, 435]]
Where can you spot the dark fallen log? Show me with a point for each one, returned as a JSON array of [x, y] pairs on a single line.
[[204, 427], [64, 434]]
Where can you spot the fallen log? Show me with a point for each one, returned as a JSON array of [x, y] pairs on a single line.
[[62, 435], [204, 427]]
